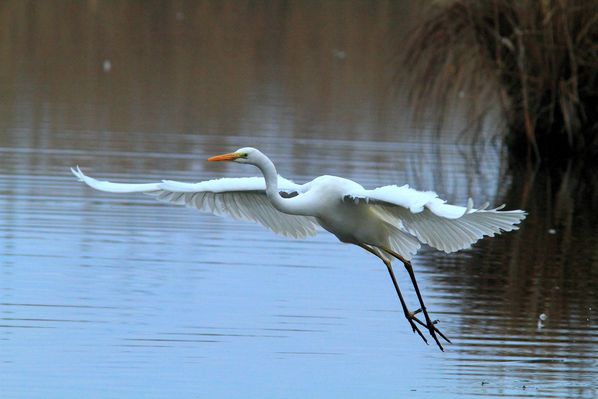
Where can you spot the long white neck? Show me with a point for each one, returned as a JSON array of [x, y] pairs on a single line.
[[291, 206]]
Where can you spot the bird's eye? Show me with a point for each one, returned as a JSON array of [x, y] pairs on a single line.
[[245, 155]]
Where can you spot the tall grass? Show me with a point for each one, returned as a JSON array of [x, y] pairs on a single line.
[[537, 58]]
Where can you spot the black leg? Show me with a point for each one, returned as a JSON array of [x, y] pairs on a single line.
[[429, 323], [408, 315]]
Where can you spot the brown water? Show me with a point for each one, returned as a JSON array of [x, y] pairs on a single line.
[[120, 296]]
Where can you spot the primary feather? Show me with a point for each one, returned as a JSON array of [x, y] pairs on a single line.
[[434, 222], [241, 198]]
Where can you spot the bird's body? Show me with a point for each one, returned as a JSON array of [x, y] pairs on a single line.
[[390, 221], [351, 222], [323, 196]]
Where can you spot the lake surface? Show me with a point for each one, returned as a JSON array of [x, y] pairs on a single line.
[[106, 295]]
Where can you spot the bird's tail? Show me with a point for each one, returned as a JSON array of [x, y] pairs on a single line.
[[402, 243]]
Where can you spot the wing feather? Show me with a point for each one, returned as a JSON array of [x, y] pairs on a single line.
[[434, 222], [240, 198], [403, 243]]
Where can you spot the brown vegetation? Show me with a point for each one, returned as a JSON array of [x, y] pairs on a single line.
[[537, 58]]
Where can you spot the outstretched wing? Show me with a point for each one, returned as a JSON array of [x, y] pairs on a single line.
[[241, 198], [434, 222]]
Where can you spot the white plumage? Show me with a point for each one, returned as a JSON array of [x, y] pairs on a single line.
[[432, 221], [242, 198], [416, 214], [389, 221]]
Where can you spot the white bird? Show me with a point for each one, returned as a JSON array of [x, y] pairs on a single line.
[[389, 222]]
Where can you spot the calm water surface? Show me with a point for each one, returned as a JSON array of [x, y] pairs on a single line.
[[107, 295]]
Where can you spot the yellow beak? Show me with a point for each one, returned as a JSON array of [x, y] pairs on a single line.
[[224, 157]]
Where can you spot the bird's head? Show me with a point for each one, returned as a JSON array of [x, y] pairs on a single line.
[[242, 155]]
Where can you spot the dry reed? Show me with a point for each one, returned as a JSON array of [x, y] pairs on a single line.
[[537, 58]]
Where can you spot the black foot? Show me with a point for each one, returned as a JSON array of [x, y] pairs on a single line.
[[410, 316], [430, 326]]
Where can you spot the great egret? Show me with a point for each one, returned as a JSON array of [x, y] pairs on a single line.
[[389, 222]]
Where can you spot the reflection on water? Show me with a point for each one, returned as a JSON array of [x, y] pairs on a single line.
[[122, 296], [277, 68], [547, 269]]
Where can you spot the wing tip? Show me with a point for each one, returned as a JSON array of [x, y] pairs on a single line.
[[77, 172], [82, 177]]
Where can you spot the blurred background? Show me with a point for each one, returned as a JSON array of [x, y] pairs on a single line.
[[119, 296]]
